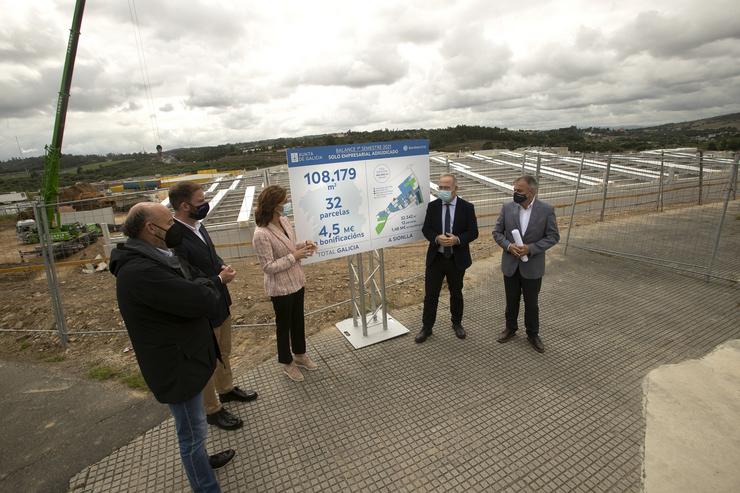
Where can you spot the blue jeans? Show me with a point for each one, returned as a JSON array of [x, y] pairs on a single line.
[[190, 422]]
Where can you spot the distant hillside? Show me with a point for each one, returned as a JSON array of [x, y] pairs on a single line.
[[716, 133], [714, 123]]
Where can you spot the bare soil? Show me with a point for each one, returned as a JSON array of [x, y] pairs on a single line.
[[90, 308]]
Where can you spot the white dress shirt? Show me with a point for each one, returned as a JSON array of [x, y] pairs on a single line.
[[451, 205], [195, 229], [524, 215]]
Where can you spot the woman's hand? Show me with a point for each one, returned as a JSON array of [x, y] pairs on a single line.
[[303, 252]]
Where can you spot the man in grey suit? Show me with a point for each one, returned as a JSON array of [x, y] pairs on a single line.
[[523, 266]]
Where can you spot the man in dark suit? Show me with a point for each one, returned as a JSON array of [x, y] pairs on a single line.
[[166, 304], [450, 226], [189, 202], [523, 266]]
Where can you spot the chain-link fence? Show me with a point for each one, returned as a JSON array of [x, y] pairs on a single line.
[[674, 208]]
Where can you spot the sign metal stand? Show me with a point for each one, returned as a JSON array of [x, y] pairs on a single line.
[[366, 327]]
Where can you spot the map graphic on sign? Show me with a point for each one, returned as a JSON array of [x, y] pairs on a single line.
[[410, 194]]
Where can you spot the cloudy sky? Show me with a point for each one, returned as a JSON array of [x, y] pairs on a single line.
[[234, 71]]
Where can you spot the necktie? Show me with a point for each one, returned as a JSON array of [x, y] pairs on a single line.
[[447, 250]]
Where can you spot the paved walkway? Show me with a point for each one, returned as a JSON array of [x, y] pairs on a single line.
[[54, 424], [472, 415], [692, 438]]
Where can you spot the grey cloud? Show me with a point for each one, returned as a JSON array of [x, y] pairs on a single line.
[[589, 38], [239, 119], [471, 61], [30, 93], [26, 45], [343, 115], [374, 66], [666, 36], [400, 24], [205, 99], [131, 106], [450, 100], [702, 98], [223, 91], [170, 20], [417, 32], [566, 63], [166, 108], [94, 89]]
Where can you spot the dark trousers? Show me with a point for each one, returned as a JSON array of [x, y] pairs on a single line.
[[441, 268], [291, 331], [515, 286]]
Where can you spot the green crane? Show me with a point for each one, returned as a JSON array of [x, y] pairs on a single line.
[[50, 185]]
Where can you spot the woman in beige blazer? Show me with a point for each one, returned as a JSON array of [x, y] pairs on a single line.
[[280, 257]]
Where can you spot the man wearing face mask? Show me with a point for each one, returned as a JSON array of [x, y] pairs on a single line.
[[523, 266], [189, 202], [450, 226], [166, 305]]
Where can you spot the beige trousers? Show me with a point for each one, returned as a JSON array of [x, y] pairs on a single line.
[[221, 380]]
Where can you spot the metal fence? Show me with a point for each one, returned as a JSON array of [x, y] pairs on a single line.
[[672, 208]]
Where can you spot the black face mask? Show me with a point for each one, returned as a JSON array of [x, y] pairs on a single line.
[[200, 212], [519, 198], [172, 236]]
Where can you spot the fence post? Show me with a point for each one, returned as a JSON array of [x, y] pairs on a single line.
[[606, 186], [660, 182], [524, 161], [46, 244], [537, 172], [447, 163], [352, 281], [700, 155], [734, 188], [266, 177], [573, 206], [731, 190]]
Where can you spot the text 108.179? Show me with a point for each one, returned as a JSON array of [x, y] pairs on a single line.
[[327, 176]]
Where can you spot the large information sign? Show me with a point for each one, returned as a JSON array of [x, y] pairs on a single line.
[[359, 197]]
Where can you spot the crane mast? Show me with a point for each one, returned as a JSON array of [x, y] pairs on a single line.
[[50, 184]]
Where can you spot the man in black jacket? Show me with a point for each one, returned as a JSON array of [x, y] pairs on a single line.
[[166, 306], [450, 226], [189, 203]]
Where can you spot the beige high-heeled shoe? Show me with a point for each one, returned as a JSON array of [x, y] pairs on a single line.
[[305, 362], [293, 372]]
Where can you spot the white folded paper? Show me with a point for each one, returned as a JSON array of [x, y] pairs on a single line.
[[518, 240]]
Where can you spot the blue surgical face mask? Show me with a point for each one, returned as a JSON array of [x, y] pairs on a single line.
[[287, 209], [445, 196]]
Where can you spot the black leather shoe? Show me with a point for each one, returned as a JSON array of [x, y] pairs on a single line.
[[459, 331], [506, 334], [422, 335], [221, 459], [224, 420], [536, 343], [238, 394]]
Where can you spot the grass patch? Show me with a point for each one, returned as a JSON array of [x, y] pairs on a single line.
[[25, 345], [134, 381], [8, 220], [101, 372], [131, 379], [56, 358]]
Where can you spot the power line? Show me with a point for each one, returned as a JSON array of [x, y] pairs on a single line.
[[144, 71]]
